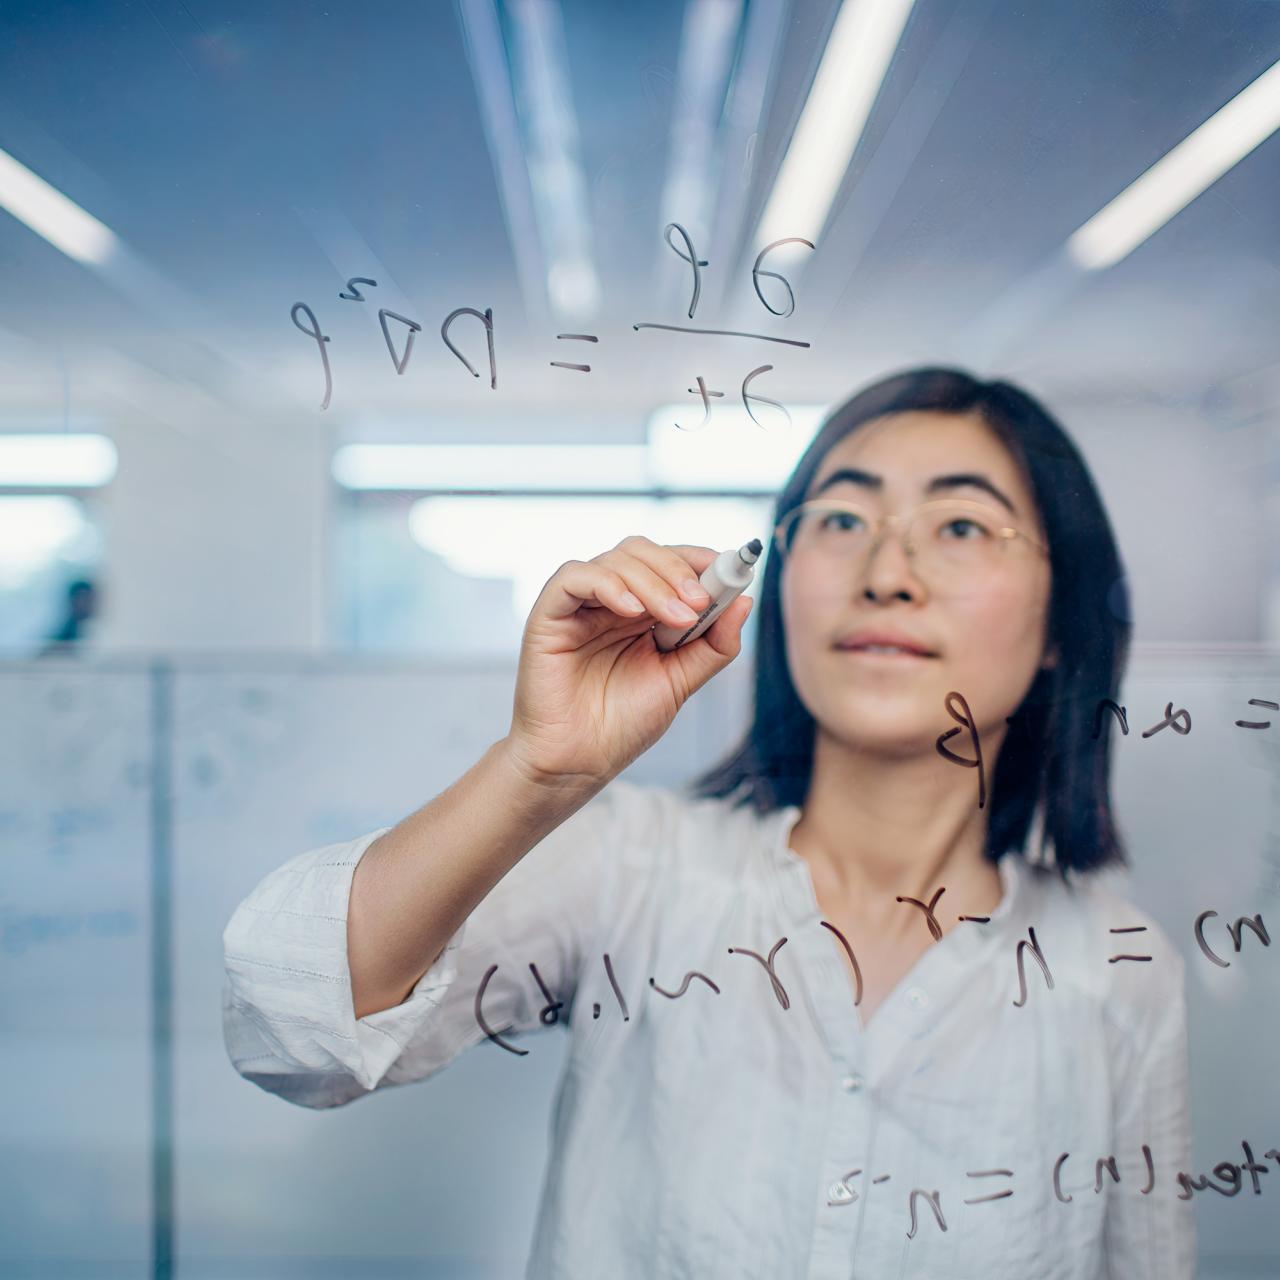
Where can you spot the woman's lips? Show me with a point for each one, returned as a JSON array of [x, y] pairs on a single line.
[[900, 659]]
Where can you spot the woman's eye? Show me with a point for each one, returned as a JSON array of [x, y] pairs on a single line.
[[973, 530], [841, 520]]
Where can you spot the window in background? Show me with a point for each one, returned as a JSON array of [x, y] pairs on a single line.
[[456, 576], [47, 541]]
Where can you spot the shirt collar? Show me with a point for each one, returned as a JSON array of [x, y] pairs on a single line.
[[798, 892]]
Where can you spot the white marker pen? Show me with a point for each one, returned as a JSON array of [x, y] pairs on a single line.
[[724, 579]]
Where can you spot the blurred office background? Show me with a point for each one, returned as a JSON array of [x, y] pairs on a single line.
[[236, 624]]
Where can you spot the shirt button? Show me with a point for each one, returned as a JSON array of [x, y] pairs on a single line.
[[917, 997], [839, 1193], [852, 1083]]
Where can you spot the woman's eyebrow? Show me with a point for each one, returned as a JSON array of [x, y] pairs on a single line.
[[974, 478], [956, 480]]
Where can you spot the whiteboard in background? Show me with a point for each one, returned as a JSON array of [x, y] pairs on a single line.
[[226, 771]]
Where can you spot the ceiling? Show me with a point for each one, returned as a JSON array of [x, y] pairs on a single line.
[[524, 157]]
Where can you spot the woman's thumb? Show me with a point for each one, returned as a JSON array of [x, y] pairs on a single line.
[[716, 647]]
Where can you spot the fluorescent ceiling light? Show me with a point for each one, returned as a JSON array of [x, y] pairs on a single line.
[[744, 113], [556, 178], [491, 74], [50, 214], [49, 461], [853, 67], [707, 46], [83, 238], [1199, 160], [526, 539], [731, 452], [485, 467]]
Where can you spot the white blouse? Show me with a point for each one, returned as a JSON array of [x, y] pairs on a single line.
[[738, 1123]]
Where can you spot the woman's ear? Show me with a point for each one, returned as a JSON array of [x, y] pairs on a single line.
[[1050, 659]]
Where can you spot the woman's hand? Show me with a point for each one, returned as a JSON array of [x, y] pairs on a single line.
[[593, 691]]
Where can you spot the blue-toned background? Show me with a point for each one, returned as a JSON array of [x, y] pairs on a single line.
[[307, 619]]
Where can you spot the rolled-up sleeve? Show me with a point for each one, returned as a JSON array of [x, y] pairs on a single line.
[[289, 1021], [1152, 1235]]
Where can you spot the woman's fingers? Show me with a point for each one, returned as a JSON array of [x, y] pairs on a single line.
[[680, 565], [714, 649], [664, 578], [577, 583], [634, 578]]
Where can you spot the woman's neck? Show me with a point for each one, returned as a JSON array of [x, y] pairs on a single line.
[[874, 827]]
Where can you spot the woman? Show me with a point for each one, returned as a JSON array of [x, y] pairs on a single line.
[[849, 1006]]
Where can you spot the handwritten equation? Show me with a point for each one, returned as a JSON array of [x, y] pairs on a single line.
[[1029, 946], [842, 1191], [958, 708], [305, 320], [1179, 721]]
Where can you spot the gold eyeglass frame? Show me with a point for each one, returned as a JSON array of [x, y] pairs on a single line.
[[882, 523]]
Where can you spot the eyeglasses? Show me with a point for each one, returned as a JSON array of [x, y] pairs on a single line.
[[950, 541]]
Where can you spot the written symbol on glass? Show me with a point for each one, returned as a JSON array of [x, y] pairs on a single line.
[[400, 359], [842, 1192], [550, 1012], [304, 319], [1179, 721]]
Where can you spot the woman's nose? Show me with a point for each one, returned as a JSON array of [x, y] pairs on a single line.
[[887, 569]]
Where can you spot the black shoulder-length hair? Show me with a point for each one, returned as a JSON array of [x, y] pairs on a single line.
[[1051, 767]]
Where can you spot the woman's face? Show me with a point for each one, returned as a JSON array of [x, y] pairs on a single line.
[[987, 636]]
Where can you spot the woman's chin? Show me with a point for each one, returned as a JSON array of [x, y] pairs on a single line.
[[872, 731], [898, 717], [889, 709]]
